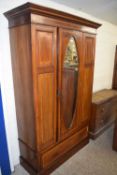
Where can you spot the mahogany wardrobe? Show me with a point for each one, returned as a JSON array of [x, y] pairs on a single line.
[[52, 61]]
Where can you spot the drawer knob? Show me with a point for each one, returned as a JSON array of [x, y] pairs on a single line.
[[102, 121], [102, 110]]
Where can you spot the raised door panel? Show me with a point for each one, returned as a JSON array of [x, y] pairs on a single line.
[[68, 81], [45, 47], [44, 69], [87, 77], [46, 108]]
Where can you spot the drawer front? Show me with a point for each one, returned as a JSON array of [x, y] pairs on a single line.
[[52, 155], [105, 113], [114, 106], [103, 110]]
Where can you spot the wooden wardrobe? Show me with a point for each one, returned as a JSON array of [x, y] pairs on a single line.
[[52, 61]]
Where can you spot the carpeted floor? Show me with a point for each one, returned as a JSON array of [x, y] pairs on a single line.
[[97, 158]]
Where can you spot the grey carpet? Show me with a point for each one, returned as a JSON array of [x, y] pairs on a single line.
[[97, 158]]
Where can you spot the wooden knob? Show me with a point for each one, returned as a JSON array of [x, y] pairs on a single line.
[[102, 121], [102, 110]]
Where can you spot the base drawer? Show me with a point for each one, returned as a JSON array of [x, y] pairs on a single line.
[[54, 154]]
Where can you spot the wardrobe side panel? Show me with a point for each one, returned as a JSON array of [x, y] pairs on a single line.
[[23, 85]]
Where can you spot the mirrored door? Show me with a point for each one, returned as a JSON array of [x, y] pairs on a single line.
[[69, 73], [69, 67]]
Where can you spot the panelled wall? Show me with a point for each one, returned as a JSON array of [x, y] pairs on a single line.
[[105, 50]]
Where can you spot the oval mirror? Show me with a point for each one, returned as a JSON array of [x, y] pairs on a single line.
[[69, 82]]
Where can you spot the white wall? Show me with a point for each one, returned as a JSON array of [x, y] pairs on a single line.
[[105, 50], [105, 53], [7, 93]]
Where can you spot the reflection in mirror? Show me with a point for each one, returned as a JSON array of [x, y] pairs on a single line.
[[69, 82], [71, 57]]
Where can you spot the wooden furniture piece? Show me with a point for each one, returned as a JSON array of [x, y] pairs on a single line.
[[51, 52], [114, 84], [103, 111], [115, 136]]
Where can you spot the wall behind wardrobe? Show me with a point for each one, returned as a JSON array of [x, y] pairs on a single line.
[[105, 50]]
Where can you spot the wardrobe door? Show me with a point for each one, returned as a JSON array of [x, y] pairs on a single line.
[[44, 74], [87, 78], [68, 81]]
